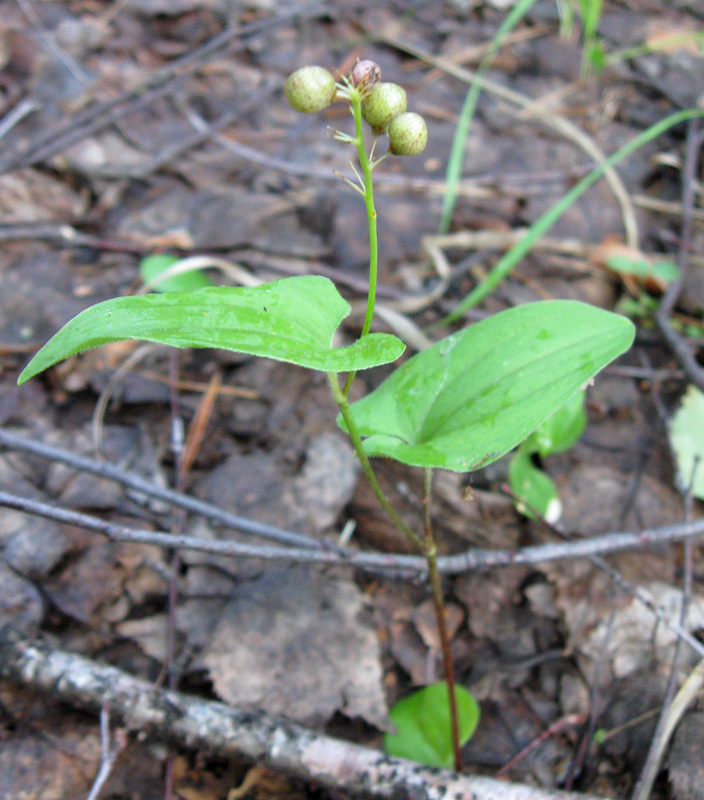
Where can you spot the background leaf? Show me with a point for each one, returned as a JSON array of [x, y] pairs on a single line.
[[292, 320], [534, 489], [422, 722], [687, 439], [151, 267], [478, 393]]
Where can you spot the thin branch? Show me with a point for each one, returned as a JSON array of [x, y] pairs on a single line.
[[14, 442], [122, 533], [677, 344], [228, 732], [402, 565], [109, 753]]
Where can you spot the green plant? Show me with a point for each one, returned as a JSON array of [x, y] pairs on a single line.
[[687, 441], [463, 403], [408, 134], [589, 11], [163, 272], [542, 225], [534, 490], [383, 104], [422, 723]]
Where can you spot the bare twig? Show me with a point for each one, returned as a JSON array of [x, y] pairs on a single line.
[[557, 727], [109, 753], [679, 347], [402, 565], [129, 479], [50, 41], [252, 735]]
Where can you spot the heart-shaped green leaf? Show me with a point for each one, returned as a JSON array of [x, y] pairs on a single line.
[[292, 320], [422, 721], [478, 393]]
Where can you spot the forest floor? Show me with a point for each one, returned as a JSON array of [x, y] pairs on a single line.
[[132, 128]]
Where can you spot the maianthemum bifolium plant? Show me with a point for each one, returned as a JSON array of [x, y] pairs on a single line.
[[461, 404]]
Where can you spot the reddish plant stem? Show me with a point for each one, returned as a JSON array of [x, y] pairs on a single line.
[[439, 604]]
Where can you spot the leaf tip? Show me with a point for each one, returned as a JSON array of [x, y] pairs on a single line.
[[27, 373]]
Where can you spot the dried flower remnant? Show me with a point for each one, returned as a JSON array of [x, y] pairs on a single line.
[[365, 74]]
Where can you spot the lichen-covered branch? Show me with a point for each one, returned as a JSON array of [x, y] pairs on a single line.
[[252, 735]]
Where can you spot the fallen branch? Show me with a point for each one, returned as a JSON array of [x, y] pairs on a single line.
[[409, 566], [389, 563], [138, 484], [256, 736]]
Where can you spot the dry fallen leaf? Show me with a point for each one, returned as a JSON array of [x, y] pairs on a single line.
[[292, 643]]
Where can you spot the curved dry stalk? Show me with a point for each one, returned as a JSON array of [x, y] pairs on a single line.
[[688, 691]]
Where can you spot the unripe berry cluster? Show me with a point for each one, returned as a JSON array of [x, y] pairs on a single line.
[[312, 89]]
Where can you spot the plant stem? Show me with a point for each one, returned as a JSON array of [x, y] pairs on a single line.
[[356, 105], [439, 603], [424, 545], [367, 469]]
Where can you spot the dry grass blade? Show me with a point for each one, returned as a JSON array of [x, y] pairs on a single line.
[[196, 431]]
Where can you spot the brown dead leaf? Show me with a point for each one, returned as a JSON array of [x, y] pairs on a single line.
[[21, 604], [410, 651], [59, 764], [487, 597], [426, 623], [97, 584], [633, 639], [264, 783], [28, 195], [328, 479], [292, 643]]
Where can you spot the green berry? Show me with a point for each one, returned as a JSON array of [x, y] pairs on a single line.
[[310, 89], [408, 134], [382, 104]]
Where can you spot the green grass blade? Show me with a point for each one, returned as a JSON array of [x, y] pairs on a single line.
[[454, 165], [543, 225]]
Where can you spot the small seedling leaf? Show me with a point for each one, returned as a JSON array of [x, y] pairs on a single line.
[[534, 490], [291, 320], [561, 431], [422, 723], [687, 439], [151, 267], [475, 395], [661, 272]]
